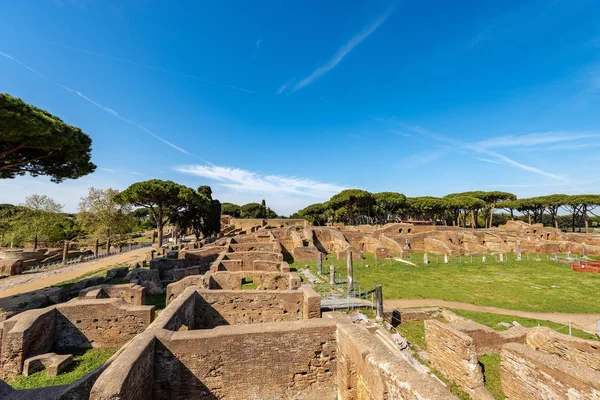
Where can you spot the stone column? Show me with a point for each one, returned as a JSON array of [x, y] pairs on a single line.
[[501, 257], [583, 251], [425, 258], [320, 263], [446, 259], [378, 302], [332, 274], [350, 270], [96, 247], [65, 252], [483, 259]]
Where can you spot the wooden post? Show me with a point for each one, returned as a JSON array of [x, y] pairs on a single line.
[[65, 252], [332, 274], [379, 302]]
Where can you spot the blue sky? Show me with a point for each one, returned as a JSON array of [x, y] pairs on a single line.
[[294, 101]]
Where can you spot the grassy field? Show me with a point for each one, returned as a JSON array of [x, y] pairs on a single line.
[[82, 364], [527, 285]]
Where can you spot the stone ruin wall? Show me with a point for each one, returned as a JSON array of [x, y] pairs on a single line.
[[536, 363], [128, 292], [453, 353], [107, 323], [367, 370], [292, 360], [527, 374]]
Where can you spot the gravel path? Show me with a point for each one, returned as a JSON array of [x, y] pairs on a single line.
[[28, 282], [585, 322]]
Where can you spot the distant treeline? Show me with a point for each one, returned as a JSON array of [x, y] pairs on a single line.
[[467, 209]]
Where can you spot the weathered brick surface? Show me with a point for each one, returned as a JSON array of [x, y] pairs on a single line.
[[225, 307], [531, 375], [579, 351], [128, 292], [367, 370], [99, 323], [267, 361], [453, 353]]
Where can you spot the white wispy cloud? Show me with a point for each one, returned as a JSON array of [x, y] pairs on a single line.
[[534, 139], [155, 68], [344, 51], [247, 181], [488, 160], [103, 108], [282, 88], [483, 147], [403, 134]]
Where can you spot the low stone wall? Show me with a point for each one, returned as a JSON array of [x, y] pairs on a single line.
[[453, 353], [530, 375], [257, 246], [367, 370], [128, 292], [579, 351], [267, 361], [229, 307], [175, 289], [246, 261], [487, 340], [105, 323], [264, 279]]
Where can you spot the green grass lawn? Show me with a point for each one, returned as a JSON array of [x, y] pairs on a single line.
[[82, 364], [528, 285]]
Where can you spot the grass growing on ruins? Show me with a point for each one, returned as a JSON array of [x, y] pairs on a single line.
[[157, 300], [82, 364], [414, 332], [492, 320], [527, 285], [490, 364]]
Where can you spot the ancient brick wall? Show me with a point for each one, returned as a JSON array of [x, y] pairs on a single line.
[[264, 279], [24, 335], [99, 323], [367, 370], [128, 292], [181, 312], [579, 351], [177, 288], [245, 261], [258, 246], [453, 353], [530, 375], [246, 224], [226, 307], [487, 340], [267, 361], [283, 223]]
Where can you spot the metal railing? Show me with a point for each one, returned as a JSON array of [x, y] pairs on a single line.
[[83, 259]]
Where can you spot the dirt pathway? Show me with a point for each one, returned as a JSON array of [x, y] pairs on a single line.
[[585, 322], [28, 282]]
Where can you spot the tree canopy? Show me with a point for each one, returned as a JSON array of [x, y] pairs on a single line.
[[101, 215], [161, 198], [35, 142]]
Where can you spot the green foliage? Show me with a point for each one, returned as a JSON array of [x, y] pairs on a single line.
[[33, 141], [414, 332], [253, 210], [83, 364], [161, 198], [314, 213], [100, 214], [231, 209], [39, 220], [201, 214], [353, 202]]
